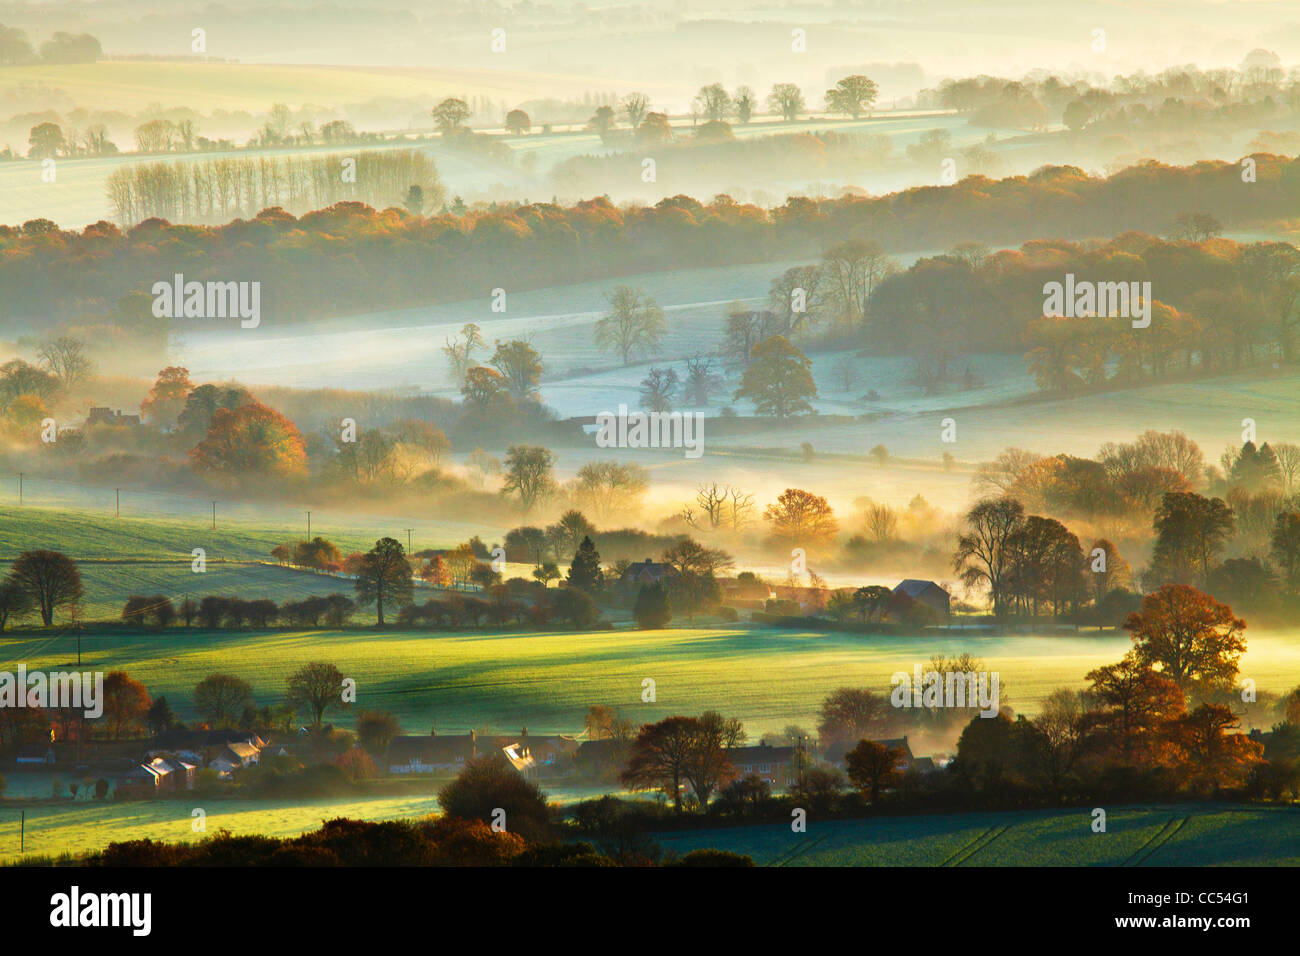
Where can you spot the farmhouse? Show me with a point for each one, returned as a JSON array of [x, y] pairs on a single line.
[[773, 764], [157, 776], [431, 754], [103, 415], [648, 571], [925, 592], [235, 756]]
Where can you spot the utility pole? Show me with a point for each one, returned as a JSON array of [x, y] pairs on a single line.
[[117, 507], [20, 489], [214, 516], [22, 844], [408, 540], [308, 525]]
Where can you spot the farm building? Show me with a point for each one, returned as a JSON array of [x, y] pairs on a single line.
[[773, 764], [925, 592], [102, 415]]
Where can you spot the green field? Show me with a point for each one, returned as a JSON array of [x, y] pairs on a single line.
[[460, 681], [1138, 836]]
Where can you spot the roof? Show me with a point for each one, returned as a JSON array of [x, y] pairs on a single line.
[[431, 749], [915, 587], [760, 754], [242, 749], [193, 739], [649, 568]]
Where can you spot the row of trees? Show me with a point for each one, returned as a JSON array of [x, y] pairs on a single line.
[[217, 190]]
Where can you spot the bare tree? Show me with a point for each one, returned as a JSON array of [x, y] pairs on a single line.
[[66, 359]]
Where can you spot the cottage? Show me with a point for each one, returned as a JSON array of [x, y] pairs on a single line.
[[235, 756], [648, 571], [927, 593]]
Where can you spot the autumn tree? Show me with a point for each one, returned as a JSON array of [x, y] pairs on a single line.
[[787, 100], [1133, 701], [633, 323], [872, 766], [678, 751], [802, 518], [1213, 758], [50, 579], [779, 379], [384, 577], [521, 368], [167, 397], [1190, 532], [460, 350], [1191, 638], [253, 440], [126, 702], [609, 488], [450, 116], [375, 729]]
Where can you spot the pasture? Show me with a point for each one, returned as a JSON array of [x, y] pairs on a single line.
[[1191, 835], [486, 680]]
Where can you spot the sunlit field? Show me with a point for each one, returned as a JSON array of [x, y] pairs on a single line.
[[460, 681], [1194, 835]]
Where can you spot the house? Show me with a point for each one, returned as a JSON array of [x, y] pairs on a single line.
[[102, 415], [773, 764], [157, 776], [521, 759], [927, 593], [235, 756], [431, 754], [201, 747], [648, 571], [836, 751], [181, 774]]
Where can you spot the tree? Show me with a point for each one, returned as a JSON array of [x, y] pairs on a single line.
[[743, 101], [658, 388], [1212, 757], [1285, 543], [317, 553], [713, 102], [701, 380], [652, 610], [584, 572], [982, 551], [489, 785], [633, 323], [871, 766], [801, 517], [610, 488], [414, 201], [667, 755], [1193, 639], [518, 122], [46, 141], [853, 96], [167, 397], [316, 686], [15, 601], [602, 121], [520, 367], [851, 713], [253, 440], [634, 108], [66, 359], [450, 116], [576, 606], [1191, 531], [1134, 701], [220, 699], [375, 729], [786, 99], [460, 350], [779, 379], [50, 579], [384, 576], [126, 702], [161, 718], [529, 474]]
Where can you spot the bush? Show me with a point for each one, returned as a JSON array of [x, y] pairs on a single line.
[[713, 858], [488, 784]]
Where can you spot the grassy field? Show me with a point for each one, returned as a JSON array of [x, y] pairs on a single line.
[[461, 681], [1139, 836]]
